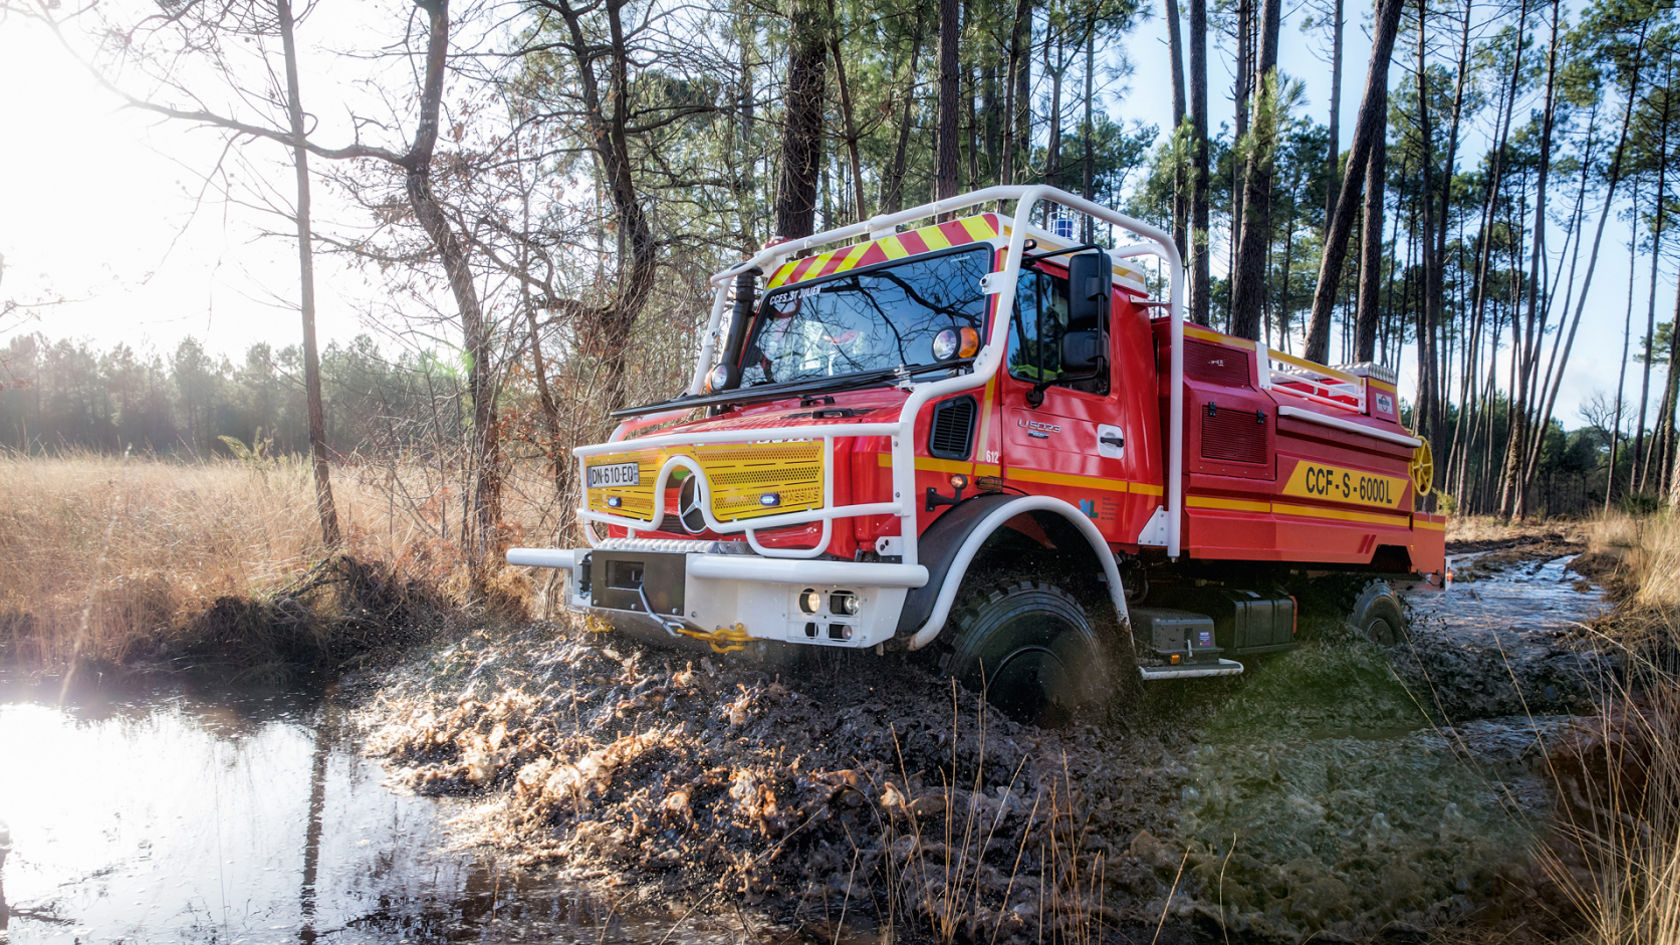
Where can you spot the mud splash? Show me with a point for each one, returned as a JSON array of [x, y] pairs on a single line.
[[1336, 790]]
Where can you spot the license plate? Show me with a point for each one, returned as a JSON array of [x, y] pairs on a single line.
[[617, 474]]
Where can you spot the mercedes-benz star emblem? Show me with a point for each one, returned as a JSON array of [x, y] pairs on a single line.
[[689, 505]]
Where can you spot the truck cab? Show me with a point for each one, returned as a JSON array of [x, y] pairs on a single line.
[[973, 433]]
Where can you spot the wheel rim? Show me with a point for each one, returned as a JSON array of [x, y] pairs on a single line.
[[1026, 683], [1380, 631]]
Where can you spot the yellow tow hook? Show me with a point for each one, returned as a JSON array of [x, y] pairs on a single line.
[[723, 639]]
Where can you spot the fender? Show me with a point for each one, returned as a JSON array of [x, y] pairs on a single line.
[[951, 544]]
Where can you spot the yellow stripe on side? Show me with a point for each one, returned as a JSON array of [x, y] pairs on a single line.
[[1068, 479], [1342, 515], [1207, 334], [1233, 505], [979, 229], [986, 415], [1432, 526], [1302, 511], [894, 248]]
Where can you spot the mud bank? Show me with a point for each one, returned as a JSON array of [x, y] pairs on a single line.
[[1337, 791]]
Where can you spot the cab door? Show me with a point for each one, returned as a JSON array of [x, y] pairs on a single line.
[[1064, 432]]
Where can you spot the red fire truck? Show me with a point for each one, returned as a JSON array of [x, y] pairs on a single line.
[[990, 438]]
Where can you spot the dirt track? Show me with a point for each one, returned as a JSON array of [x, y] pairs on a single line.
[[1339, 790]]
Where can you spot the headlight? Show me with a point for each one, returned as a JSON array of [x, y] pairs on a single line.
[[810, 600], [718, 379], [955, 343]]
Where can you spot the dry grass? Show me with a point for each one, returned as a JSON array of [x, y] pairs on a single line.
[[117, 560], [1614, 853], [1491, 528], [1647, 552], [1615, 849]]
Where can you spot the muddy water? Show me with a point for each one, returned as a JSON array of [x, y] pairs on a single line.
[[167, 817]]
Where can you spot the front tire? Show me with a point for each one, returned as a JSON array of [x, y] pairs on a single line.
[[1378, 616], [1033, 649]]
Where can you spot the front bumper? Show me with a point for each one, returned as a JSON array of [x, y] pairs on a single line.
[[711, 591]]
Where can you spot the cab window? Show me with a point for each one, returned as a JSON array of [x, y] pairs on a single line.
[[1036, 330], [1041, 306]]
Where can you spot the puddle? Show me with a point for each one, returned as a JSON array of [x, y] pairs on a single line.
[[1539, 596], [173, 817]]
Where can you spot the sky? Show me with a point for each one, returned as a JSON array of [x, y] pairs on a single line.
[[105, 208]]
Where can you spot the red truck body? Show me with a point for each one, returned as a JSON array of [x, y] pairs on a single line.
[[727, 511]]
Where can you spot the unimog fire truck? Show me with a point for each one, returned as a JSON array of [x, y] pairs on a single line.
[[993, 440]]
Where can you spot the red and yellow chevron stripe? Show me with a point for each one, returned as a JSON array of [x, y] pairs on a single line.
[[941, 236]]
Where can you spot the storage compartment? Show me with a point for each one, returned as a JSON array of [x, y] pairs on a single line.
[[1244, 621], [1179, 633]]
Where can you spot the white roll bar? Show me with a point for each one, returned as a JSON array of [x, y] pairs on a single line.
[[1026, 198]]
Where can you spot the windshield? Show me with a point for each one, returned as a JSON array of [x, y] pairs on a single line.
[[873, 320]]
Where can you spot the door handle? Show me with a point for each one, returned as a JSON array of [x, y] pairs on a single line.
[[1112, 439]]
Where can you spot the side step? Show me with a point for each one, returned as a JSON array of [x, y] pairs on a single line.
[[1191, 670]]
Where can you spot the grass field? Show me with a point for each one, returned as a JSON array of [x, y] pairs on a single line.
[[129, 560]]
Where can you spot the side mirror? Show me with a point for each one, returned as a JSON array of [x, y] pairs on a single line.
[[1090, 282], [1082, 352]]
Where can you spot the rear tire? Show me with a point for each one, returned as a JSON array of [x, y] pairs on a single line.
[[1378, 616], [1033, 649]]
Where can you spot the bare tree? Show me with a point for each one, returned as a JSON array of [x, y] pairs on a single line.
[[306, 281]]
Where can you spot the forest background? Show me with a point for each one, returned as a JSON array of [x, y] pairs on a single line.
[[527, 197]]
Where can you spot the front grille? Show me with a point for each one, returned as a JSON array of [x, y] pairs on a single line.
[[1234, 436], [953, 428], [739, 475]]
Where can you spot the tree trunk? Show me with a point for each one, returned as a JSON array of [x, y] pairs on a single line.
[[892, 182], [1423, 413], [1639, 456], [1370, 263], [1370, 125], [1018, 147], [945, 173], [1333, 164], [1053, 146], [484, 458], [1088, 181], [1175, 47], [1248, 295], [860, 209], [1241, 92], [1621, 374], [306, 285], [802, 134], [1200, 274]]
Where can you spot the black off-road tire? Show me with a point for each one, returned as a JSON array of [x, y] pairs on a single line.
[[1378, 616], [1038, 653]]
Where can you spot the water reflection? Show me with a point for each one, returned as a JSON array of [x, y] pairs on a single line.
[[171, 817]]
